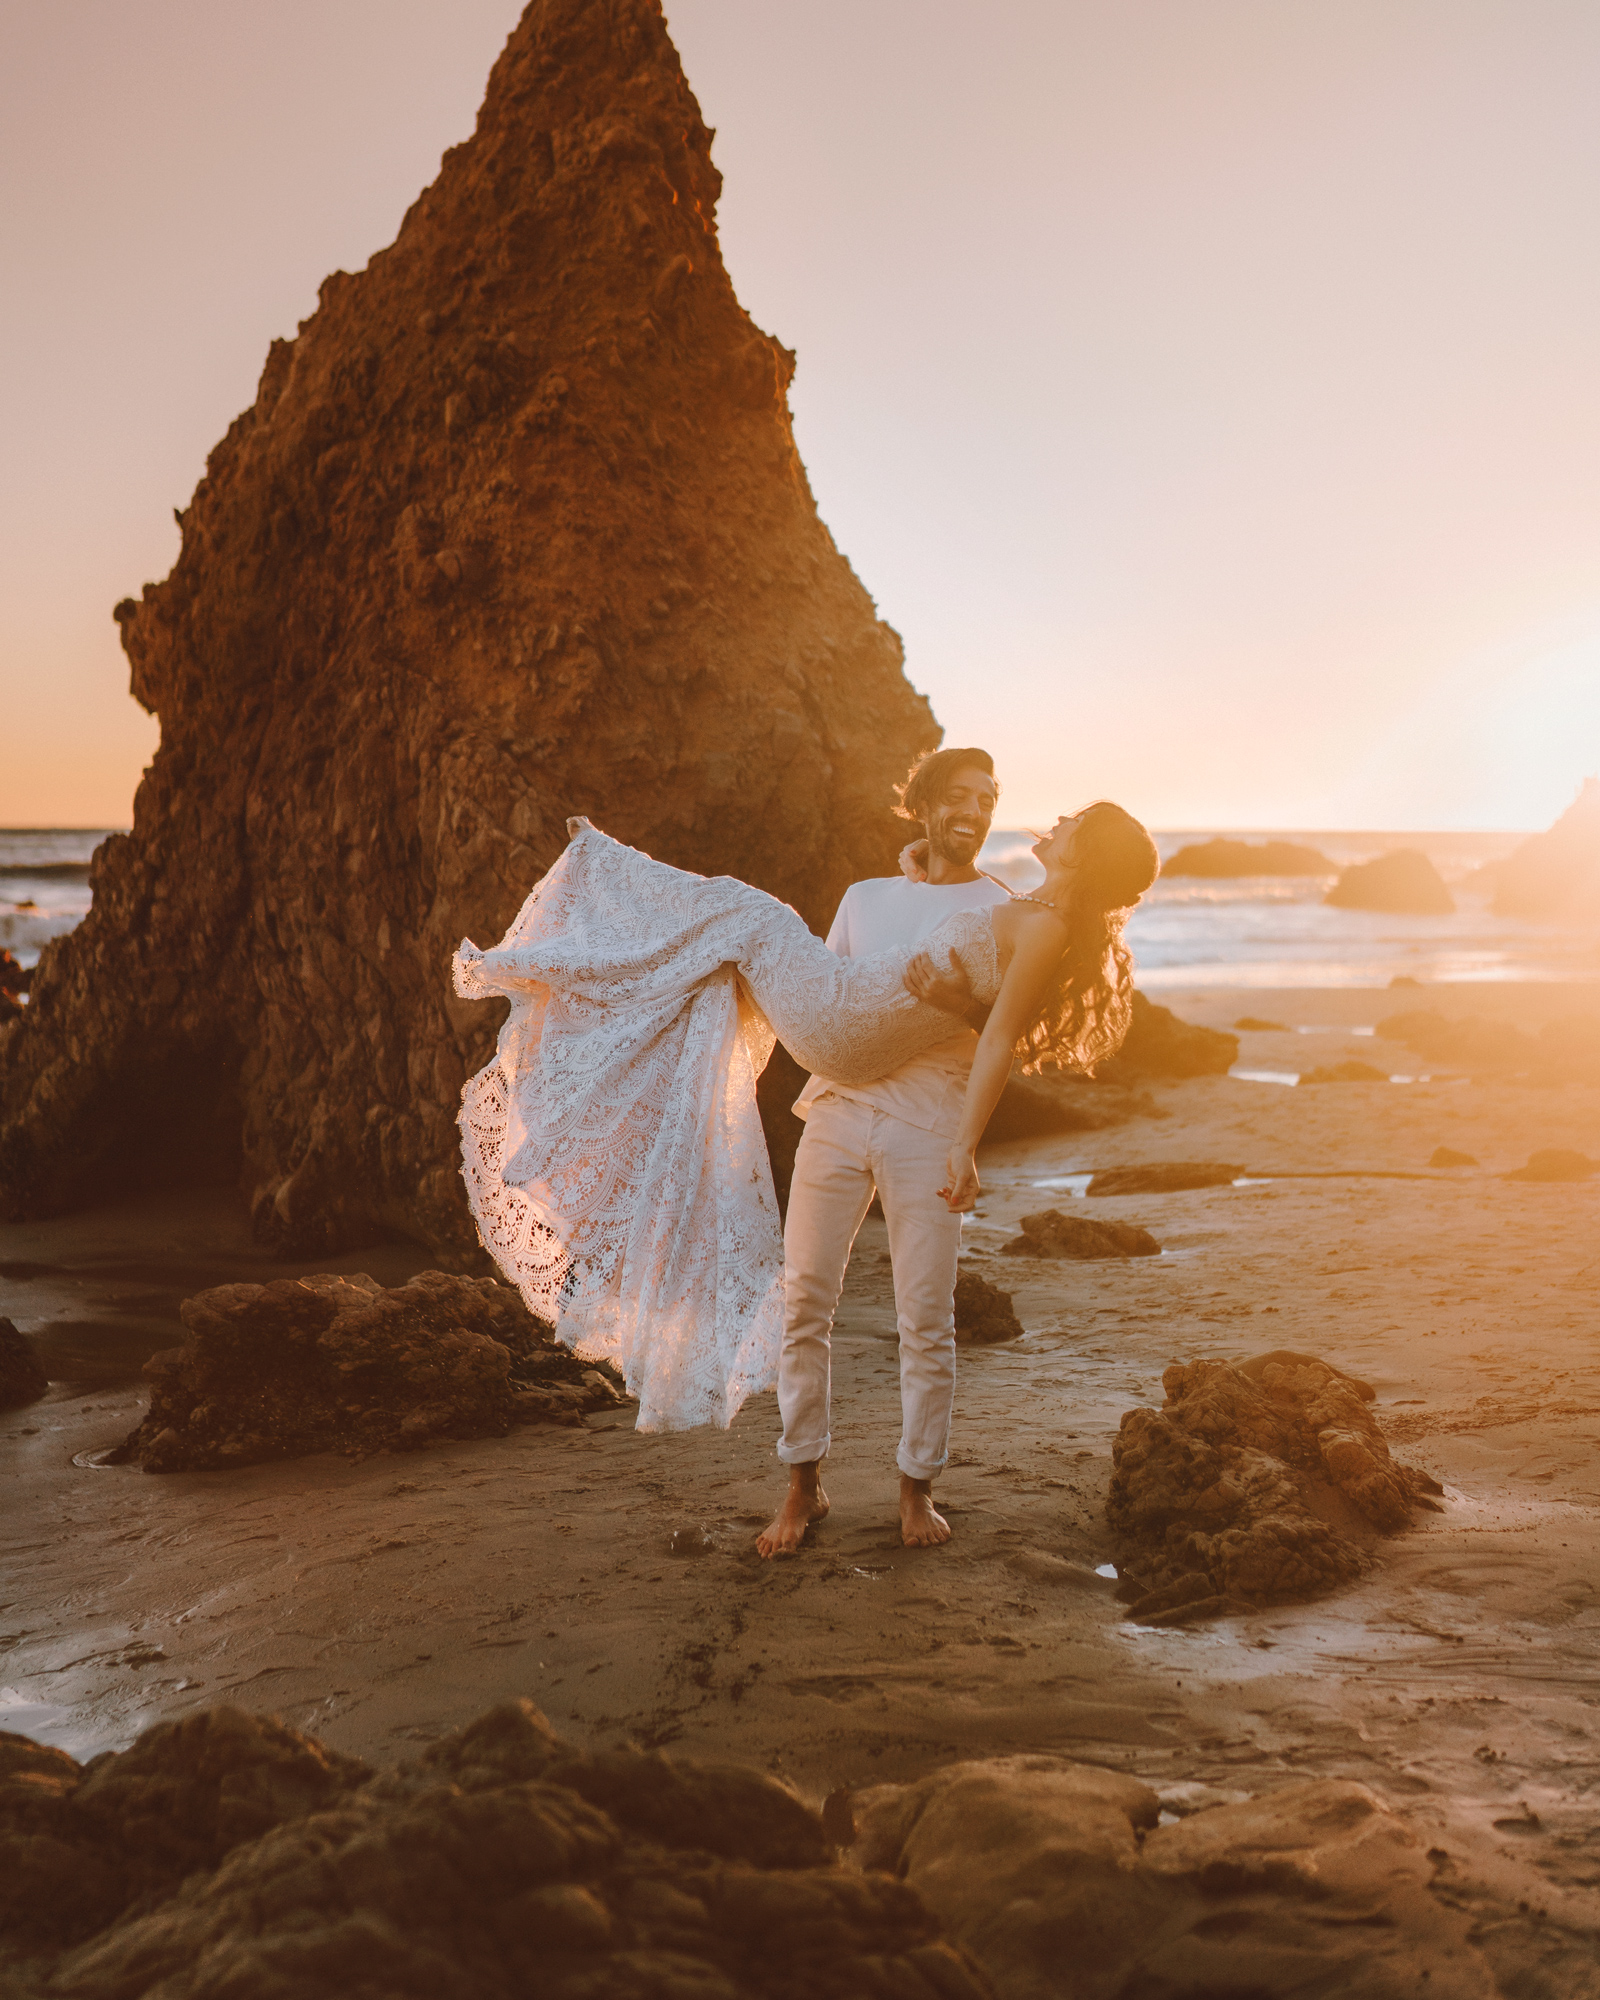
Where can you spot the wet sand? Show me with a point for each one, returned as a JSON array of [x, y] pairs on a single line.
[[383, 1602]]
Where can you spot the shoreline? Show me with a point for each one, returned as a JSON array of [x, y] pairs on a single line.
[[378, 1604]]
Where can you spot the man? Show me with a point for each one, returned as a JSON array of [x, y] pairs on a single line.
[[892, 1136]]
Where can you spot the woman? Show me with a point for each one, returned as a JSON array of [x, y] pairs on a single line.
[[612, 1150]]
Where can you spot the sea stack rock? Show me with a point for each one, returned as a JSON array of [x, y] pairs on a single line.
[[514, 529], [1555, 873], [1405, 883]]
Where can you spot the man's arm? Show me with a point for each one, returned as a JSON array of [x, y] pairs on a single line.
[[950, 991]]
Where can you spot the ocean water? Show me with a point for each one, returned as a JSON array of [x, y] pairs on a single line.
[[1276, 930], [1251, 931]]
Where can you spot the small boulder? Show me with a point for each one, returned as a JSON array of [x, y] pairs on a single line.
[[1160, 1045], [22, 1379], [1447, 1156], [1404, 882], [1248, 1024], [984, 1314], [1345, 1072], [1168, 1177], [1556, 1163], [334, 1363], [1052, 1234]]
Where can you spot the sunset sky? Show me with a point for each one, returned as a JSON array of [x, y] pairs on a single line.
[[1208, 390]]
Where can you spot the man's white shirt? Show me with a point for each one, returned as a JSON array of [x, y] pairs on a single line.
[[879, 915]]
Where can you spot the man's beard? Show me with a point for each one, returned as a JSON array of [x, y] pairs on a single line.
[[958, 848]]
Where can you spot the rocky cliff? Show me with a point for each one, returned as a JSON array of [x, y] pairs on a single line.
[[515, 528]]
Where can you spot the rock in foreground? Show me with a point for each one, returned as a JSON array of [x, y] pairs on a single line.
[[226, 1854], [1258, 1483], [1084, 1237], [22, 1378], [984, 1314], [1058, 1879], [1405, 883], [343, 1364], [1345, 1072]]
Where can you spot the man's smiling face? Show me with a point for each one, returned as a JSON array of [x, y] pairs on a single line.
[[959, 824]]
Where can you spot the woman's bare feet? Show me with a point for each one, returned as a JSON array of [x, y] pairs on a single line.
[[803, 1504], [922, 1526]]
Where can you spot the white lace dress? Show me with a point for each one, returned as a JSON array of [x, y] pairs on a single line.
[[612, 1150]]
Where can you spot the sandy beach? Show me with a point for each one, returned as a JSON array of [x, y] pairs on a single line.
[[613, 1577]]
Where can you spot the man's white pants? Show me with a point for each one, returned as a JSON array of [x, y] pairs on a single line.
[[849, 1149]]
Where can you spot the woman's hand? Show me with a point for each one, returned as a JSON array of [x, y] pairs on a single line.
[[914, 861], [949, 991], [961, 1184]]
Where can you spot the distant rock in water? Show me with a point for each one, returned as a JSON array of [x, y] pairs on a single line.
[[514, 529], [22, 1376], [1167, 1177], [1555, 873], [1251, 1024], [1084, 1238], [1556, 1163], [1447, 1156], [1242, 857], [1404, 882], [1345, 1072], [1256, 1483], [985, 1315], [1160, 1045], [346, 1364]]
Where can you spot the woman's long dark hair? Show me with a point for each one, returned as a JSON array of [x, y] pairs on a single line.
[[1089, 1002]]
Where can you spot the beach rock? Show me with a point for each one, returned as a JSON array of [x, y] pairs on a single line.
[[514, 529], [1556, 872], [1246, 857], [1556, 1163], [1566, 1050], [1248, 1024], [984, 1313], [22, 1376], [342, 1364], [1060, 1881], [1167, 1177], [1447, 1156], [1160, 1045], [229, 1855], [1055, 1101], [1404, 882], [1261, 1482], [1052, 1234], [1345, 1072]]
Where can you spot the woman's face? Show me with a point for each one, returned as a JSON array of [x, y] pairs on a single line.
[[1054, 848]]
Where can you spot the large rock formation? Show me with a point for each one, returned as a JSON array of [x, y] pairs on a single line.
[[1159, 1045], [1224, 858], [515, 528], [227, 1854]]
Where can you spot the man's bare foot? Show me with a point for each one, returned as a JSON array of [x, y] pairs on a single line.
[[922, 1526], [804, 1504]]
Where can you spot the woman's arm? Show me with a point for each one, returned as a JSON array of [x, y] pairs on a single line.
[[1037, 954]]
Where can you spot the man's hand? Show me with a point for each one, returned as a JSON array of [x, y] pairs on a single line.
[[950, 991], [961, 1184]]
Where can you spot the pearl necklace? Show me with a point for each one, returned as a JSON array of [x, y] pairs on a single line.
[[1042, 901]]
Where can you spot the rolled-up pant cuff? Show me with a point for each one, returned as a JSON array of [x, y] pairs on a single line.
[[804, 1454], [913, 1470]]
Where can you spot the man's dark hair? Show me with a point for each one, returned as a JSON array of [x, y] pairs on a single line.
[[931, 773]]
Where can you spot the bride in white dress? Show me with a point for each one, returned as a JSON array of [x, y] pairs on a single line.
[[612, 1151]]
